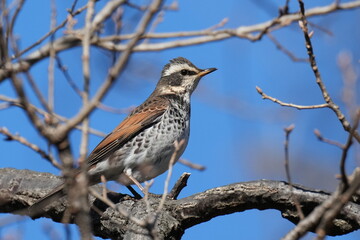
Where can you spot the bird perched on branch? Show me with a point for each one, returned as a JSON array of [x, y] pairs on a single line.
[[141, 146]]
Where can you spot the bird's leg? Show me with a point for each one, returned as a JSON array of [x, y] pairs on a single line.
[[128, 173], [134, 192]]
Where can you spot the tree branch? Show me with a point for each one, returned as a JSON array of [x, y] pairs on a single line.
[[246, 32], [20, 188]]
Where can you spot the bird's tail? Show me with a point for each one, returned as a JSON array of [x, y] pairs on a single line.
[[39, 206]]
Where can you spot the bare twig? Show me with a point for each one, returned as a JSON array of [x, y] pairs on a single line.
[[37, 91], [175, 154], [51, 32], [179, 185], [331, 214], [14, 102], [304, 27], [19, 6], [246, 32], [104, 187], [288, 131], [312, 220], [29, 110], [325, 140], [300, 107], [86, 73], [115, 110], [67, 76], [83, 217], [114, 71], [285, 9], [77, 90], [346, 150], [284, 50], [34, 147], [51, 77], [191, 164], [349, 76]]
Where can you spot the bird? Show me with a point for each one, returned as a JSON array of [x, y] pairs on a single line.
[[144, 142]]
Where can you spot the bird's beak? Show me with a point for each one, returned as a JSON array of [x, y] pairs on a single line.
[[206, 71]]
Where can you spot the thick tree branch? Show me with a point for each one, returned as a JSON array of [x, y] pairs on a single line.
[[20, 188]]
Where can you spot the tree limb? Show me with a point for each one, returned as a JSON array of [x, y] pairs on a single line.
[[20, 188], [200, 37]]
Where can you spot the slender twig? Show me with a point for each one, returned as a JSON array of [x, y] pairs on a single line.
[[331, 104], [86, 73], [37, 91], [51, 76], [115, 110], [114, 71], [32, 146], [179, 185], [350, 79], [312, 220], [105, 13], [321, 28], [52, 31], [284, 50], [191, 164], [77, 90], [30, 111], [104, 187], [67, 76], [246, 32], [346, 150], [285, 9], [345, 197], [300, 107], [5, 105], [83, 217], [14, 102], [19, 5], [325, 140], [173, 158], [288, 131]]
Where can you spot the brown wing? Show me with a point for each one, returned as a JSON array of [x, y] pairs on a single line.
[[142, 117]]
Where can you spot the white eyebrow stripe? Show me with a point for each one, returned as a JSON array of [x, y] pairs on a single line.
[[177, 67]]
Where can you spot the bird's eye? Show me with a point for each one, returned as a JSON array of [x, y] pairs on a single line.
[[185, 72]]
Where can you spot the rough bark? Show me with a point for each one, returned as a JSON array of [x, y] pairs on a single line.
[[20, 188]]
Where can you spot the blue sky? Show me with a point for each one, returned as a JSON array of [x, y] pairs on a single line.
[[234, 133]]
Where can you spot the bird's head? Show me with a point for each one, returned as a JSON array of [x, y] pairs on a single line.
[[180, 76]]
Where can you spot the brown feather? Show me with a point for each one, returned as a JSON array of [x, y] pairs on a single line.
[[142, 117]]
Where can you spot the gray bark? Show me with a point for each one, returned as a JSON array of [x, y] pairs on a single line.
[[20, 188]]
